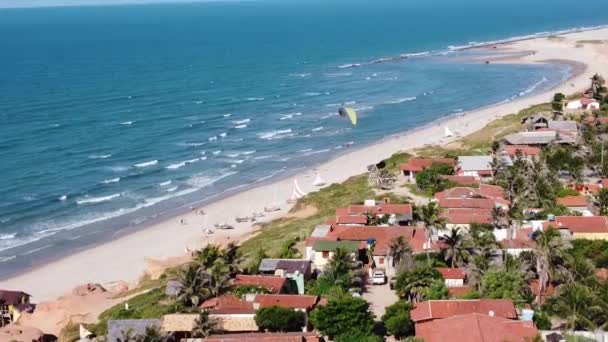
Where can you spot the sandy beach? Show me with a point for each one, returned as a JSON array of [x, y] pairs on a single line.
[[125, 258]]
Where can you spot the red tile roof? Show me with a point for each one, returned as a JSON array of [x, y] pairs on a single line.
[[476, 327], [359, 209], [522, 240], [580, 224], [585, 101], [287, 301], [549, 290], [484, 191], [602, 273], [436, 309], [467, 216], [492, 191], [265, 337], [573, 201], [419, 164], [451, 273], [461, 180], [228, 304], [383, 236], [481, 203], [272, 283], [525, 150], [351, 219]]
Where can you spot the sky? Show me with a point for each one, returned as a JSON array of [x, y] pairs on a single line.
[[54, 3]]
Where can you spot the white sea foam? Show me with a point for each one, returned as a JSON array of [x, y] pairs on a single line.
[[111, 180], [304, 150], [333, 105], [216, 152], [9, 258], [92, 200], [350, 102], [272, 174], [184, 163], [199, 102], [7, 236], [227, 115], [203, 158], [264, 157], [299, 75], [254, 99], [194, 143], [127, 123], [165, 183], [100, 156], [240, 122], [353, 65], [248, 152], [316, 129], [233, 155], [37, 249], [312, 94], [213, 138], [405, 99], [171, 189], [533, 87], [146, 164], [240, 126], [118, 168], [63, 198], [223, 135]]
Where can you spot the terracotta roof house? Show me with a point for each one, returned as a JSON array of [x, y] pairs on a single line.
[[464, 217], [521, 242], [476, 327], [461, 180], [264, 337], [476, 166], [400, 214], [584, 103], [297, 270], [525, 150], [415, 165], [453, 277], [273, 283], [13, 302], [484, 191], [354, 220], [582, 227], [437, 309], [574, 203], [477, 203], [301, 302]]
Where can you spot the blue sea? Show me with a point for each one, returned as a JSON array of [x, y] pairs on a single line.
[[114, 116]]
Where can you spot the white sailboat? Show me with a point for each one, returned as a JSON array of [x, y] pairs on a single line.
[[319, 181], [297, 193], [447, 133]]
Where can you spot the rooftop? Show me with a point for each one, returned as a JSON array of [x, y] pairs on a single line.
[[474, 163], [264, 337], [351, 219], [290, 266], [468, 215], [563, 125], [118, 328], [476, 327], [580, 224], [451, 273], [272, 283], [419, 164], [461, 180], [287, 301], [525, 150], [331, 246], [359, 209], [436, 309], [573, 201], [13, 297]]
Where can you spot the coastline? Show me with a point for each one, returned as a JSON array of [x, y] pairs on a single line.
[[125, 257]]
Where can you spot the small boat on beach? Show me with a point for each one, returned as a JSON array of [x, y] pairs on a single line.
[[318, 180], [241, 219], [271, 208], [223, 226], [297, 193]]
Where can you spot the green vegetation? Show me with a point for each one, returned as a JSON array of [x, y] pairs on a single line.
[[345, 315], [397, 320], [503, 284], [430, 181], [242, 290], [414, 284], [279, 319]]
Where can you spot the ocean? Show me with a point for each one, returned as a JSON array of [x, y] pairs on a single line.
[[114, 116]]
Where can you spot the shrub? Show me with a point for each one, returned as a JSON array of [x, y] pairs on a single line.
[[276, 318], [501, 284], [341, 315], [397, 319], [242, 290], [359, 336]]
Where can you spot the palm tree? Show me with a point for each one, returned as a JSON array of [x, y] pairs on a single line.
[[456, 250], [498, 217], [430, 216], [413, 284], [219, 276], [549, 251], [204, 325], [602, 200], [576, 304], [400, 251], [233, 258], [597, 84], [253, 266], [289, 250], [340, 264], [195, 285], [152, 334], [475, 268], [207, 256]]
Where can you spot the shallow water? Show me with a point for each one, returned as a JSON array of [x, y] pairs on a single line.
[[115, 115]]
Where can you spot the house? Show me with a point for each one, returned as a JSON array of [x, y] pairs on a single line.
[[437, 309], [464, 217], [179, 325], [563, 126], [264, 337], [539, 138], [515, 245], [461, 180], [238, 315], [476, 327], [321, 251], [411, 168], [12, 303], [536, 121], [583, 103], [296, 270], [355, 214], [525, 151], [582, 227], [575, 203], [119, 329], [273, 284], [476, 166], [358, 239], [484, 191], [453, 277]]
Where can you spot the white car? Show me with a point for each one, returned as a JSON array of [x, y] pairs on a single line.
[[379, 278]]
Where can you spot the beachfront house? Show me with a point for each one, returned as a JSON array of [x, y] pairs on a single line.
[[12, 303], [536, 121], [357, 214], [319, 252], [584, 103], [415, 165], [578, 203], [298, 271], [479, 167], [272, 284], [539, 138], [581, 227]]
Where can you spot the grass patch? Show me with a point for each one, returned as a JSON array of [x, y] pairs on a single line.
[[393, 162], [415, 191], [70, 333], [273, 234]]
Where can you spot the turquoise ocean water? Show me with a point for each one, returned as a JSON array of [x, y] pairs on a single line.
[[114, 116]]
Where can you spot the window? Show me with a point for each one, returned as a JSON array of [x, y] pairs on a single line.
[[381, 261], [325, 254]]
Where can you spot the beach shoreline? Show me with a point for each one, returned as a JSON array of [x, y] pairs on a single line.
[[128, 253]]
